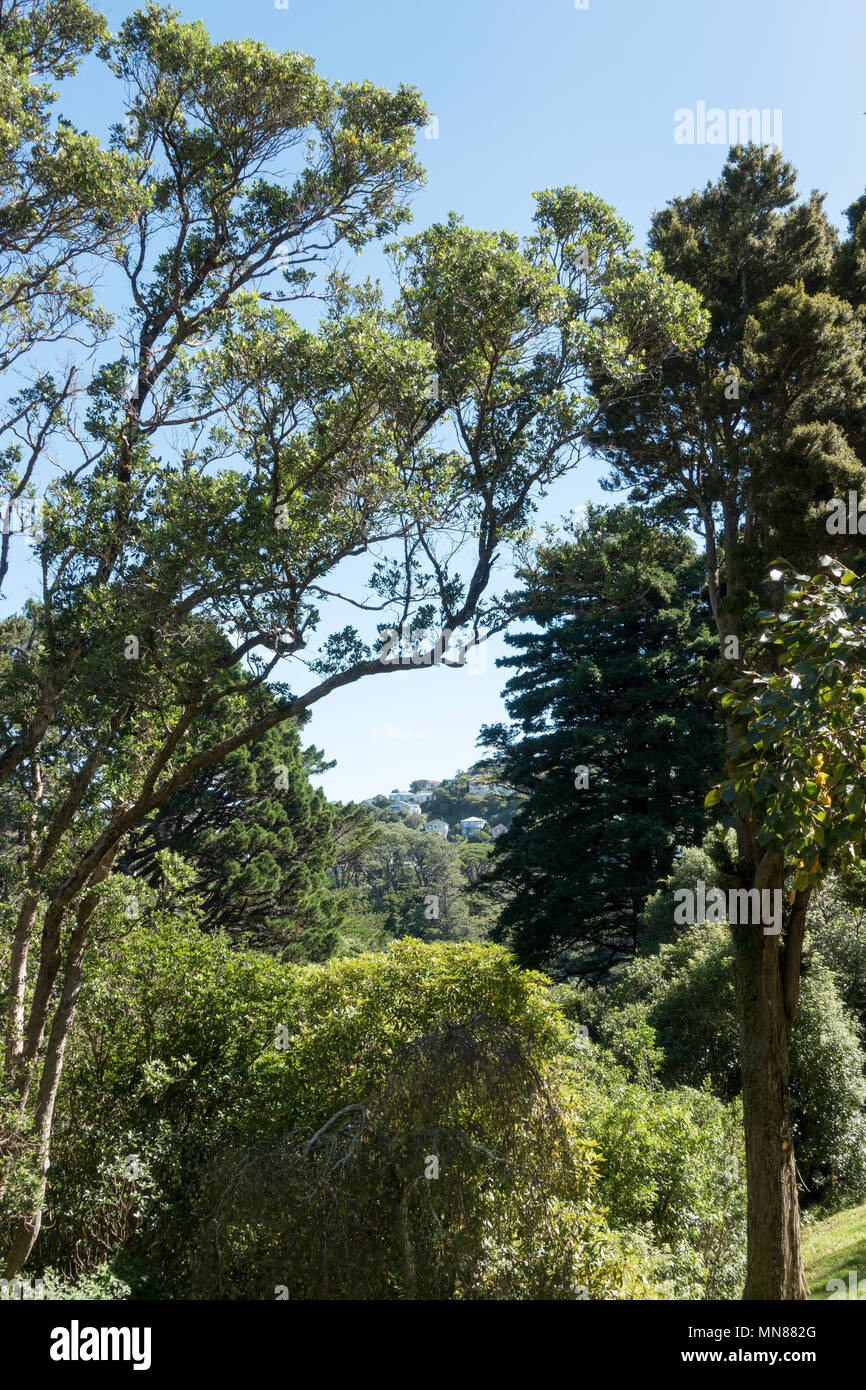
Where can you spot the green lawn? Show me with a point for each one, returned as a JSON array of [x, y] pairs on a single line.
[[833, 1247]]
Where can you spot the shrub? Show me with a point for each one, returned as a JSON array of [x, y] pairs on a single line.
[[101, 1284], [282, 1119], [672, 1167], [685, 995]]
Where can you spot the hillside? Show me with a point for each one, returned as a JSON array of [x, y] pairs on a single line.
[[832, 1249]]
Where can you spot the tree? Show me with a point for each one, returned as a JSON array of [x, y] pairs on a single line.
[[259, 838], [65, 201], [798, 754], [610, 740], [232, 460], [747, 440], [412, 879]]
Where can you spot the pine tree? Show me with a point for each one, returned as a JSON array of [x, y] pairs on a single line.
[[608, 684], [260, 837]]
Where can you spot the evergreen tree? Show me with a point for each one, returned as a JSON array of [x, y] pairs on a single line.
[[748, 440], [608, 684], [261, 840]]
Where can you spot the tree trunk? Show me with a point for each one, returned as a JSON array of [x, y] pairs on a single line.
[[767, 979], [18, 986], [408, 1275], [26, 1230]]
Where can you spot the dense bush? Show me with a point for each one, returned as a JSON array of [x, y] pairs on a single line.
[[100, 1285], [837, 927], [672, 1171], [828, 1094], [683, 996], [232, 1126], [226, 1120], [695, 863]]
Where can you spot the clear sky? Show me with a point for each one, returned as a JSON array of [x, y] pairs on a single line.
[[531, 94]]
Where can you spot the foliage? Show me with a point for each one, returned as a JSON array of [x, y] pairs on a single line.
[[226, 460], [799, 748], [101, 1284], [684, 994], [747, 440], [413, 880], [672, 1163], [828, 1095], [261, 843], [609, 684], [257, 1114], [837, 928], [180, 1063], [706, 865]]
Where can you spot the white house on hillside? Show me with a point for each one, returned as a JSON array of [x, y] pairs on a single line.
[[439, 827], [471, 825], [400, 800], [478, 787]]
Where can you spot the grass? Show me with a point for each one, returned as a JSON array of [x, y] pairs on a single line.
[[832, 1248]]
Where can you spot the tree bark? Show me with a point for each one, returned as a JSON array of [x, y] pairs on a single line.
[[767, 982], [408, 1275], [26, 1230]]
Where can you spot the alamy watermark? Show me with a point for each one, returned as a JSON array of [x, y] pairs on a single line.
[[847, 520], [21, 516], [17, 1290], [77, 1343], [737, 126], [739, 906], [854, 1289], [459, 647]]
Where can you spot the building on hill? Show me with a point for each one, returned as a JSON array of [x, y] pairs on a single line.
[[398, 800], [438, 827], [498, 830], [479, 786], [471, 825]]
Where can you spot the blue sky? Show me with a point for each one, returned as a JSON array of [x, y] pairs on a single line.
[[530, 95]]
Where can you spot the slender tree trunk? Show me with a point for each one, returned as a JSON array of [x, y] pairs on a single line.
[[14, 1048], [26, 1230], [408, 1275], [21, 939]]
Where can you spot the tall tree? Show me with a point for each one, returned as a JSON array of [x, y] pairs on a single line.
[[748, 440], [611, 739]]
